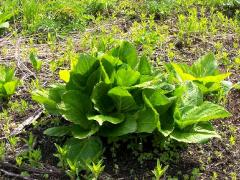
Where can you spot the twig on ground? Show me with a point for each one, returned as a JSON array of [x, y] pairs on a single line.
[[51, 170], [10, 174], [27, 122]]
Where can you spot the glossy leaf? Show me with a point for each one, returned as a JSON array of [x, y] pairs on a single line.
[[113, 118], [102, 102], [81, 133], [10, 87], [75, 106], [57, 131], [144, 66], [195, 134], [205, 66], [84, 151], [128, 54], [205, 112], [64, 75], [123, 100], [129, 125], [126, 76]]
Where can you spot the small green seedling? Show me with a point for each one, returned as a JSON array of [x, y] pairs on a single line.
[[61, 155], [159, 170], [74, 169], [36, 63], [96, 169]]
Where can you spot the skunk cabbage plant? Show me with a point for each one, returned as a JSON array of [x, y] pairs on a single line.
[[118, 93], [8, 82]]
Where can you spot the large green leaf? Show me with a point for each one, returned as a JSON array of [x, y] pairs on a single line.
[[144, 67], [85, 65], [109, 67], [80, 133], [10, 87], [181, 75], [84, 151], [205, 66], [113, 60], [92, 80], [50, 98], [204, 70], [75, 106], [57, 131], [113, 118], [159, 101], [167, 122], [125, 76], [56, 92], [189, 95], [147, 120], [215, 78], [7, 74], [42, 96], [104, 75], [123, 100], [102, 102], [128, 54], [77, 82], [129, 125], [195, 134], [149, 82], [205, 112], [81, 71], [164, 107]]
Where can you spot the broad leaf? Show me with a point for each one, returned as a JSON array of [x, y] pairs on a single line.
[[85, 151], [128, 54], [205, 112], [125, 76], [190, 95], [50, 98], [144, 67], [204, 70], [42, 96], [123, 100], [7, 74], [159, 101], [56, 92], [147, 120], [205, 66], [102, 102], [57, 131], [85, 65], [113, 118], [216, 78], [198, 133], [129, 125], [10, 87], [181, 75], [64, 75], [80, 133], [75, 106], [167, 123]]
